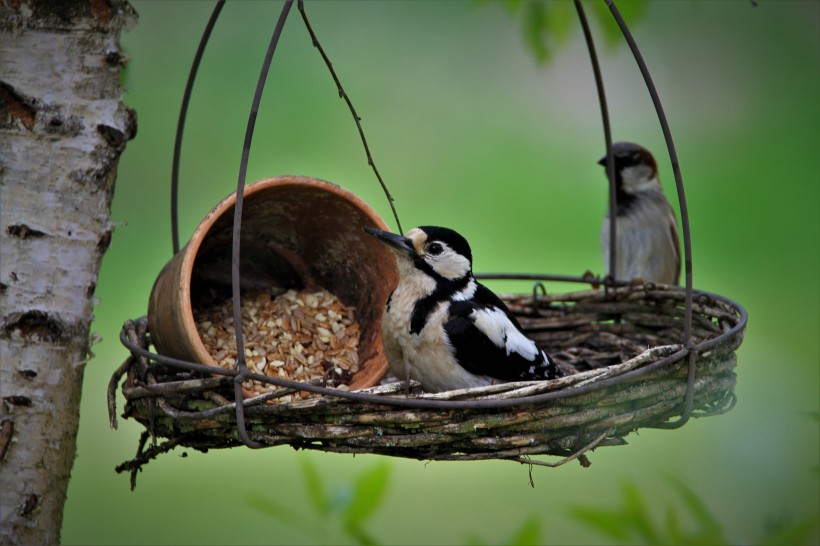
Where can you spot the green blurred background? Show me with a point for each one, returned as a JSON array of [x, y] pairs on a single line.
[[471, 132]]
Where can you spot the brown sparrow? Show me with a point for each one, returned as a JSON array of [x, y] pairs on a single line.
[[647, 247]]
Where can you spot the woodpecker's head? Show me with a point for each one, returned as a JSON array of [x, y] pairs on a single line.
[[635, 168], [435, 251]]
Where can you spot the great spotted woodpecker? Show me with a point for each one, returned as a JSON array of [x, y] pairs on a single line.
[[443, 328]]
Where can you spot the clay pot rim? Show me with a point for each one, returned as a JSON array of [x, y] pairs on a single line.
[[190, 252]]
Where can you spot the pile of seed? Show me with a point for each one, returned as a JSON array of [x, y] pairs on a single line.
[[298, 335]]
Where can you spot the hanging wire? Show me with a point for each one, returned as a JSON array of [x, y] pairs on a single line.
[[610, 159], [183, 112], [356, 117], [241, 367], [684, 212]]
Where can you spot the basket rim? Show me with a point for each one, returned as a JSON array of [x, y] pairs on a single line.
[[629, 370]]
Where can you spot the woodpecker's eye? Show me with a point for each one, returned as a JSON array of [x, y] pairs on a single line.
[[435, 249]]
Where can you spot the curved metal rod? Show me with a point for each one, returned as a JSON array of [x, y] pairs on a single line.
[[183, 112], [610, 159], [237, 222], [410, 402], [673, 156], [400, 400], [689, 402], [684, 212]]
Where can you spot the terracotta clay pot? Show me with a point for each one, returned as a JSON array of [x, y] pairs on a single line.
[[297, 232]]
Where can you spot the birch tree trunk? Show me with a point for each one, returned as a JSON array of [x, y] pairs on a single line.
[[62, 129]]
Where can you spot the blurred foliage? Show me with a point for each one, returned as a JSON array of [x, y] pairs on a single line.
[[546, 24], [632, 522], [341, 511], [529, 534]]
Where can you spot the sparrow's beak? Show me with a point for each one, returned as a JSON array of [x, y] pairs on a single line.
[[396, 242]]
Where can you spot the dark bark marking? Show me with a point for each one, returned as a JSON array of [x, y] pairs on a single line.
[[103, 243], [24, 232], [28, 374], [101, 11], [60, 124], [13, 107], [6, 431], [112, 58], [29, 505], [112, 136], [131, 126], [37, 324], [17, 400]]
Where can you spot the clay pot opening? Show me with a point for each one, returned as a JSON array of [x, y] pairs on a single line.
[[297, 232]]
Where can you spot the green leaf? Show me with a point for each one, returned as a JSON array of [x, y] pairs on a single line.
[[802, 532], [697, 508], [286, 515], [631, 11], [528, 535], [561, 19], [673, 531], [608, 523], [512, 5], [315, 487], [368, 491], [535, 25], [637, 515]]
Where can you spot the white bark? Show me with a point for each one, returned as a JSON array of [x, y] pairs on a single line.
[[62, 129]]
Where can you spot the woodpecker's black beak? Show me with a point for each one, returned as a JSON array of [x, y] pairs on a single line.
[[602, 161], [393, 240]]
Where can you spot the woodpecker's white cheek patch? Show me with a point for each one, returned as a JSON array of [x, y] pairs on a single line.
[[450, 265]]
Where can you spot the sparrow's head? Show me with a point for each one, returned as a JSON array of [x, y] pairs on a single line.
[[635, 168], [435, 251]]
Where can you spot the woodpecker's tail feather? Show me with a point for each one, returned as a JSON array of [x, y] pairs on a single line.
[[550, 369]]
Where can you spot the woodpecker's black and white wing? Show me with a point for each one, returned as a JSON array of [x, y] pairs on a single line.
[[487, 340]]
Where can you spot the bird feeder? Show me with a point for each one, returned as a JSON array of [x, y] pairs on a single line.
[[642, 355]]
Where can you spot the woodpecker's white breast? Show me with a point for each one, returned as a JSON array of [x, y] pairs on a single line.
[[426, 356]]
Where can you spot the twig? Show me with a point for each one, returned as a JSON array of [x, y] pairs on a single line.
[[112, 390], [356, 117], [183, 111], [143, 456], [577, 455]]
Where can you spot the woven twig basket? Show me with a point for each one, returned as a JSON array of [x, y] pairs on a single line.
[[623, 344]]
